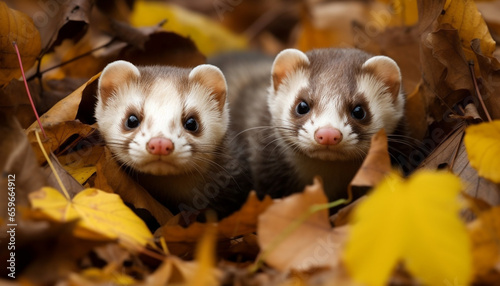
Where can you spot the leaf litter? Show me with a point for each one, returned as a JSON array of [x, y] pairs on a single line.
[[280, 241]]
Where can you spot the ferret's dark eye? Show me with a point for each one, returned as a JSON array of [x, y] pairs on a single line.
[[191, 124], [302, 108], [358, 113], [132, 122]]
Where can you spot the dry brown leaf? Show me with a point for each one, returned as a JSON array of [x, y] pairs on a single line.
[[173, 270], [312, 244], [57, 20], [64, 110], [490, 81], [377, 163], [71, 185], [451, 153], [485, 235], [415, 113], [16, 27], [18, 159], [130, 192], [464, 16], [60, 137], [243, 221]]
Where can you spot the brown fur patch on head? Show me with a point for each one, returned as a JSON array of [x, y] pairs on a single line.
[[211, 78], [114, 75], [287, 62], [385, 69]]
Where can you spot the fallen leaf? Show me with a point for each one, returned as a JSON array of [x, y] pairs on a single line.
[[414, 221], [72, 186], [415, 111], [244, 221], [451, 154], [489, 79], [485, 237], [464, 16], [64, 110], [16, 27], [61, 137], [130, 192], [18, 162], [482, 142], [47, 252], [377, 163], [100, 215], [209, 36], [314, 242], [206, 273], [57, 21], [241, 222]]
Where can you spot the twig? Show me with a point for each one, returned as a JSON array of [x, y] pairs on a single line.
[[27, 89], [73, 59], [478, 94]]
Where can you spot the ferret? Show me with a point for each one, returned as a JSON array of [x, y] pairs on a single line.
[[312, 114], [168, 128]]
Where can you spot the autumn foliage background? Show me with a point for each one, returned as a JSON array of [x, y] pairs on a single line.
[[438, 226]]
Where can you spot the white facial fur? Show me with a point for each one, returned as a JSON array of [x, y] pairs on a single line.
[[330, 107], [162, 98]]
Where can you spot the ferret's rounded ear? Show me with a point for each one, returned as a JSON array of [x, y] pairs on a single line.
[[386, 70], [114, 75], [286, 62], [212, 78]]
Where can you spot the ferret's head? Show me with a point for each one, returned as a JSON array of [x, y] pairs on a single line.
[[162, 120], [328, 103]]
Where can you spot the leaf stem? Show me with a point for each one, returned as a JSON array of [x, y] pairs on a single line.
[[52, 167], [291, 228], [478, 94], [27, 89]]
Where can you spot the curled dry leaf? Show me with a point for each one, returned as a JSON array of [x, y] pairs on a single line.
[[64, 110], [312, 244], [117, 180], [377, 163], [19, 28], [375, 167]]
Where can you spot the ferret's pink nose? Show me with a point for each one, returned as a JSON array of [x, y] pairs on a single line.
[[160, 146], [328, 136]]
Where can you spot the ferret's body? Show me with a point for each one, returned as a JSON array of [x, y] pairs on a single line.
[[168, 127], [313, 114]]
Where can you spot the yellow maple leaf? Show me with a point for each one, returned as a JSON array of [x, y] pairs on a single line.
[[482, 142], [101, 215], [415, 221]]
